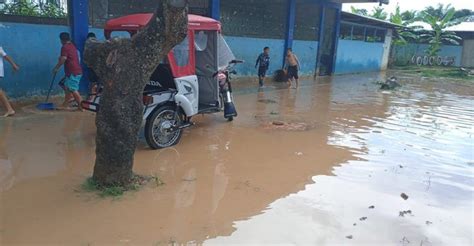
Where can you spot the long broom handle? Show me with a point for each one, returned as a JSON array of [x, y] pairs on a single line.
[[51, 86]]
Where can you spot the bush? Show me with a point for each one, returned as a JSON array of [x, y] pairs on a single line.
[[29, 8]]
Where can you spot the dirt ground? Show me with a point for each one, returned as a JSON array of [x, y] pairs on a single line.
[[337, 161]]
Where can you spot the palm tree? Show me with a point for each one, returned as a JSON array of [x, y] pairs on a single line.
[[359, 11], [409, 15], [379, 13], [439, 20], [439, 11], [464, 14], [403, 20]]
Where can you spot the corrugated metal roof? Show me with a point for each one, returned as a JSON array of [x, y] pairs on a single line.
[[462, 27], [366, 20]]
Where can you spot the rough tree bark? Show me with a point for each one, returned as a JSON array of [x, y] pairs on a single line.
[[125, 66]]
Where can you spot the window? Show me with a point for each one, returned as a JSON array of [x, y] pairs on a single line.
[[254, 18], [181, 53], [380, 36], [345, 32], [358, 33], [307, 20], [369, 34], [200, 41]]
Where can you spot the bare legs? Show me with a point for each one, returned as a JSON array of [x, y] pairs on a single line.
[[67, 98], [6, 104], [290, 81], [72, 96], [78, 99]]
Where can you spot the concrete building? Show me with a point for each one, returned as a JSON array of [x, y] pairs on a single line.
[[364, 44], [465, 30], [310, 27]]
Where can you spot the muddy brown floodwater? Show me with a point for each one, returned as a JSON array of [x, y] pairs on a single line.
[[329, 163]]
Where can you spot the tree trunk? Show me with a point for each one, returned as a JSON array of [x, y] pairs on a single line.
[[125, 66]]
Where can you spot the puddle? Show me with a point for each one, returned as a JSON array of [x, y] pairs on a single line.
[[249, 182]]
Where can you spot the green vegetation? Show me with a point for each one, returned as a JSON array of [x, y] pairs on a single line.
[[377, 12], [438, 72], [39, 8], [439, 18], [117, 191], [438, 35]]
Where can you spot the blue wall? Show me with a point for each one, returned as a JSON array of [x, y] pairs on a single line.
[[403, 54], [248, 49], [306, 52], [36, 49], [358, 56]]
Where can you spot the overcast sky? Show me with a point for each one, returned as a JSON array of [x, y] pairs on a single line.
[[413, 4]]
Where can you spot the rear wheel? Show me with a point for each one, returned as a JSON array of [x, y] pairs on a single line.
[[230, 118], [161, 128]]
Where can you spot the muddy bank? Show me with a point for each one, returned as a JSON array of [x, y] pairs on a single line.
[[248, 182]]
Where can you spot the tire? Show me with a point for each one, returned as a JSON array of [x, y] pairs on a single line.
[[419, 61], [432, 60], [446, 61], [439, 60], [426, 60], [163, 118], [230, 119]]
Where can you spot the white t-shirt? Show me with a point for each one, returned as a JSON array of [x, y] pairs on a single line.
[[2, 54]]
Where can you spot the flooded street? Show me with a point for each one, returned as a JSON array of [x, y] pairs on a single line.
[[326, 164]]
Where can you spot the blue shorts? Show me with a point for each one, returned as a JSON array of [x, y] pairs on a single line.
[[72, 82]]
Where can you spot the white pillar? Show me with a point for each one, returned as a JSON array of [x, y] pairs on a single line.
[[386, 49]]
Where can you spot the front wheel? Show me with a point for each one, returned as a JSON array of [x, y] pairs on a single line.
[[162, 127]]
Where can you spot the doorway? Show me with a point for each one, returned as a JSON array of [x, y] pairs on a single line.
[[327, 46]]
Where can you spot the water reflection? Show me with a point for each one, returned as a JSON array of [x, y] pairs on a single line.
[[241, 183], [416, 141]]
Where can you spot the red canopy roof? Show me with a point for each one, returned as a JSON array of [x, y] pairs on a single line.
[[136, 22]]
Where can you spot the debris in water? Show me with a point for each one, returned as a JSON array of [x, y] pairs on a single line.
[[404, 196], [401, 166], [349, 237], [403, 213], [281, 125], [278, 123], [363, 218], [428, 222], [267, 101], [372, 207], [389, 84]]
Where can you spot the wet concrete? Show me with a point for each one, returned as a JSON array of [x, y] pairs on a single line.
[[341, 150]]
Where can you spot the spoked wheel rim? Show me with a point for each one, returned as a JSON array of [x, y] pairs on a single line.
[[162, 131]]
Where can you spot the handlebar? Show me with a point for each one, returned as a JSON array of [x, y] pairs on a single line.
[[228, 68], [236, 62]]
